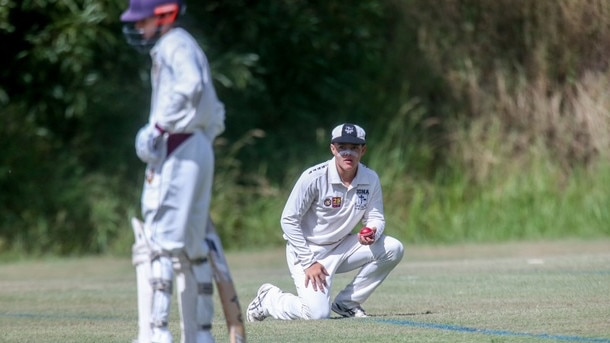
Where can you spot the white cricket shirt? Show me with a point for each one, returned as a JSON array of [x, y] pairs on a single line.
[[183, 95], [322, 211]]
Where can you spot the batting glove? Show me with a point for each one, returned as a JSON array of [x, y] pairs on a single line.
[[151, 147]]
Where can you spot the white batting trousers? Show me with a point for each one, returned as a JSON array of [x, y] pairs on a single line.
[[177, 196], [375, 263]]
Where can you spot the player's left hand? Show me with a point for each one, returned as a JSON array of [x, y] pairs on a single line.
[[150, 144]]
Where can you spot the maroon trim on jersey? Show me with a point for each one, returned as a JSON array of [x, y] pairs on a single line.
[[175, 139]]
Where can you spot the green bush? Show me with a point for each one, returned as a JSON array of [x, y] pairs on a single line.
[[487, 120]]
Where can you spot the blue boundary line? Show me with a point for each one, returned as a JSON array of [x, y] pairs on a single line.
[[463, 329]]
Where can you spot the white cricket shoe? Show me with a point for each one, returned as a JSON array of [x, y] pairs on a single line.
[[161, 335], [256, 312], [356, 312]]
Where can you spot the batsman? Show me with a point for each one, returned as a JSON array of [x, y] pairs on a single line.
[[185, 117]]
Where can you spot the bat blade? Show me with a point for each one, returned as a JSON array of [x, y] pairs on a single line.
[[226, 287]]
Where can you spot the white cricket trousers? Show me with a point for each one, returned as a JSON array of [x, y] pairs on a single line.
[[177, 196], [375, 263]]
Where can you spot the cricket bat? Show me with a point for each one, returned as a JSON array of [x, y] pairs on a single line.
[[225, 286]]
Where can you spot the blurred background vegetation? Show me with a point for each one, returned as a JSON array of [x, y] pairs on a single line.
[[486, 120]]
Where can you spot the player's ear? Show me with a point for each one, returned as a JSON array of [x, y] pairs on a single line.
[[363, 150], [333, 149]]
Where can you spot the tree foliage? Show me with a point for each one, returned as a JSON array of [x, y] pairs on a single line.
[[73, 95]]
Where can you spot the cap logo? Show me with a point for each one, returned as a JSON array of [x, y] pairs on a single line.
[[349, 130]]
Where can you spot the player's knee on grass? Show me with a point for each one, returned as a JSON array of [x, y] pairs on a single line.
[[316, 312]]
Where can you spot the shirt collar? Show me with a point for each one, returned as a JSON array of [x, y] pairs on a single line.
[[333, 174]]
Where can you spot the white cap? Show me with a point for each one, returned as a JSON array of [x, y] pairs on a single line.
[[348, 133]]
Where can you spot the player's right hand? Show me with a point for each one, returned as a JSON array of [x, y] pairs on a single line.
[[316, 274], [367, 236]]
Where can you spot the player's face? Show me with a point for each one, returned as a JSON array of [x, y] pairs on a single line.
[[148, 27], [348, 155]]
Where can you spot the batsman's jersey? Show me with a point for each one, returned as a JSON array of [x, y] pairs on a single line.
[[183, 95], [177, 191], [322, 211]]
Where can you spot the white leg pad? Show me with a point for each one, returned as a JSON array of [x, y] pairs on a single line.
[[144, 302], [205, 303], [195, 290], [162, 284], [141, 261]]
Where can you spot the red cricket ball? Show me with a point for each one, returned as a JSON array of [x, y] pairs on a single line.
[[366, 231]]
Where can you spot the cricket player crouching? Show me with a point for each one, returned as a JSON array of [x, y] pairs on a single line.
[[328, 201]]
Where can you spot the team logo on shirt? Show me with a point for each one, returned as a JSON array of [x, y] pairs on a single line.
[[362, 197], [334, 202]]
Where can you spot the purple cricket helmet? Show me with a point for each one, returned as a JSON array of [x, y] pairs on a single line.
[[142, 9], [138, 10]]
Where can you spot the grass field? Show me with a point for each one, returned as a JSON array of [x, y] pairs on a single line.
[[515, 292]]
